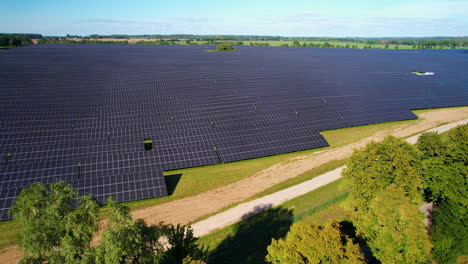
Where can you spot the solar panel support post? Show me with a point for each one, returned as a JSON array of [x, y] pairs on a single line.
[[79, 169], [8, 157], [217, 155]]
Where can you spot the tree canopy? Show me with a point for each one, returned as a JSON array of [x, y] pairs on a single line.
[[445, 182], [379, 165], [385, 189], [52, 231], [224, 47], [314, 244]]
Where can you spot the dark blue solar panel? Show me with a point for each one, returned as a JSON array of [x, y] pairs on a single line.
[[93, 105]]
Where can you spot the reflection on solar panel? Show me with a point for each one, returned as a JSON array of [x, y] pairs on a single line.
[[108, 119]]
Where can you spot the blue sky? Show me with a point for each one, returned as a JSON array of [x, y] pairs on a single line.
[[362, 18]]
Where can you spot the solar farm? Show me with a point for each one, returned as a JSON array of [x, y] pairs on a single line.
[[109, 119]]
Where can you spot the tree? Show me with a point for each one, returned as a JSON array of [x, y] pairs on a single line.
[[378, 165], [183, 244], [314, 244], [431, 145], [448, 232], [445, 183], [224, 47], [458, 150], [129, 241], [394, 228], [444, 167], [51, 231], [385, 188], [296, 44]]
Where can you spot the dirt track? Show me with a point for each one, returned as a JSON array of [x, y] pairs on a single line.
[[191, 208]]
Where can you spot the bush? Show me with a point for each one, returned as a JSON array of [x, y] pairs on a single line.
[[224, 47]]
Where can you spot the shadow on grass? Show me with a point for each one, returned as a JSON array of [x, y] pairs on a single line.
[[171, 182], [253, 235]]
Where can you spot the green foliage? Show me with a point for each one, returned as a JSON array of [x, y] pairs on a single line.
[[128, 241], [458, 150], [394, 229], [15, 40], [296, 44], [431, 145], [183, 244], [444, 174], [445, 180], [314, 244], [385, 186], [189, 260], [448, 233], [224, 47], [51, 231], [378, 165]]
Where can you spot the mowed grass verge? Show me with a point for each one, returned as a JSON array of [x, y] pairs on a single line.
[[188, 182]]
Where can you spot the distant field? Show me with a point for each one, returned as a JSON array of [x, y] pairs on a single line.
[[290, 43]]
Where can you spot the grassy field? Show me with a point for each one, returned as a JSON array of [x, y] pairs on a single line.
[[188, 182]]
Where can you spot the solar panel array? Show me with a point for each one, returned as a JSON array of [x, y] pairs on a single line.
[[80, 113]]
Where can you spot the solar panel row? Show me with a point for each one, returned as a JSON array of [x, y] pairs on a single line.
[[80, 113]]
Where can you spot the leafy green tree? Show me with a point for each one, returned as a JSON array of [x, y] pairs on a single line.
[[224, 47], [431, 145], [445, 183], [385, 188], [296, 43], [458, 150], [394, 228], [448, 232], [378, 165], [51, 231], [314, 244], [183, 244], [444, 168], [128, 241]]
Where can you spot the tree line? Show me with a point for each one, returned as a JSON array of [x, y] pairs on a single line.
[[17, 40], [408, 205]]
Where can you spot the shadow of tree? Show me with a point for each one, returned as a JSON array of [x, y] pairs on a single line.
[[253, 235], [171, 182]]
